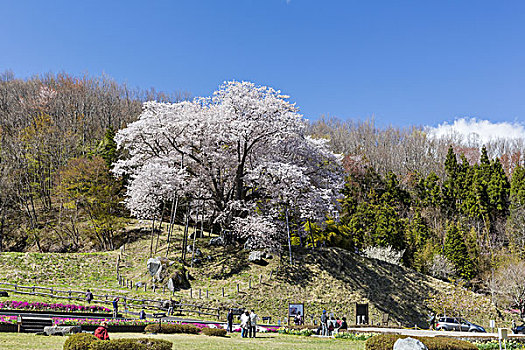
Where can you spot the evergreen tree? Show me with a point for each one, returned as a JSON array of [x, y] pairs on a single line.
[[498, 189], [417, 233], [456, 252], [476, 201], [433, 190], [450, 184], [107, 148], [394, 195], [517, 187]]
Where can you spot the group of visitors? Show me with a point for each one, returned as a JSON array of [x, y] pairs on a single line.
[[248, 323], [331, 325], [298, 319]]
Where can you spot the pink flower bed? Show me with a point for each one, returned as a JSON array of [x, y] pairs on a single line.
[[23, 305], [69, 321], [7, 319]]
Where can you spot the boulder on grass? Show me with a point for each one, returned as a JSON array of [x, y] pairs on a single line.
[[62, 330], [409, 344], [154, 265], [257, 257], [217, 242]]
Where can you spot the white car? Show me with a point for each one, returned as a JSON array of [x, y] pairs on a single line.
[[457, 324]]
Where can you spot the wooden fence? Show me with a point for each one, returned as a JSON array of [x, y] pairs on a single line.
[[108, 298]]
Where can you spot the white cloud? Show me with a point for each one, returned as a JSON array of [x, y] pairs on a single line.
[[479, 131]]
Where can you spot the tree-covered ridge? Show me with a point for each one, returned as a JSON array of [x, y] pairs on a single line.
[[464, 219], [244, 163], [49, 126]]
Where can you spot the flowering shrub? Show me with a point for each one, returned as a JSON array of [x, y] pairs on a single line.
[[7, 319], [494, 345], [71, 321], [352, 336], [304, 332], [23, 305], [170, 328], [67, 321]]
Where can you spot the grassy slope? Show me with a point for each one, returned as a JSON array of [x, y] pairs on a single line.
[[325, 278], [23, 341]]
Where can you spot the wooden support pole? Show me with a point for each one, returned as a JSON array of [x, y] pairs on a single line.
[[237, 287], [223, 292]]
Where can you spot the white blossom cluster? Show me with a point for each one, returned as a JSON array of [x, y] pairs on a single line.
[[243, 152], [388, 254]]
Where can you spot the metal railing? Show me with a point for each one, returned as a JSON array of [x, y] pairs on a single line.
[[108, 298]]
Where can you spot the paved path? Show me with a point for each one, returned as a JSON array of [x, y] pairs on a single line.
[[430, 333]]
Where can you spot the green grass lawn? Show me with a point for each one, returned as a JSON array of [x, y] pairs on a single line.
[[23, 341]]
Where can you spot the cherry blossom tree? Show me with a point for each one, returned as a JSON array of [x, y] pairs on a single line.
[[243, 152]]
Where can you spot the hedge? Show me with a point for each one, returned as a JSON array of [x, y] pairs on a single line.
[[386, 342], [87, 341], [132, 344], [79, 341], [218, 332], [170, 328]]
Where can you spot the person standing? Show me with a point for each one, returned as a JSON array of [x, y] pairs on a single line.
[[253, 324], [115, 307], [298, 319], [102, 331], [432, 321], [89, 296], [344, 325], [142, 314], [332, 326], [324, 324], [245, 324], [229, 318]]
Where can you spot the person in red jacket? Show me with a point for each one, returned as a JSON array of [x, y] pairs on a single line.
[[102, 331]]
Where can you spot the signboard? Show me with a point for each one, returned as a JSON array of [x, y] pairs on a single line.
[[295, 309]]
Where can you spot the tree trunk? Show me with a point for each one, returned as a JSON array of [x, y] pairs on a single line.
[[174, 205], [289, 238]]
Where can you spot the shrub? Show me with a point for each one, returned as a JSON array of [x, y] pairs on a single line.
[[388, 254], [300, 331], [386, 342], [80, 341], [132, 344], [169, 328], [352, 336], [494, 344], [214, 332]]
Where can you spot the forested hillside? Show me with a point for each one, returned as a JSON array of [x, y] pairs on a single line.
[[245, 165], [52, 131]]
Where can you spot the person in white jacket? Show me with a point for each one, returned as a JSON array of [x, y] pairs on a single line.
[[245, 324], [253, 324]]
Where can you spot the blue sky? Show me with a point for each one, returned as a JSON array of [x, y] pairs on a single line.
[[404, 62]]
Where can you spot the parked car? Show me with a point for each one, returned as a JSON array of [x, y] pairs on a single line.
[[519, 329], [457, 324]]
